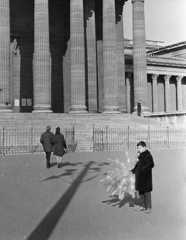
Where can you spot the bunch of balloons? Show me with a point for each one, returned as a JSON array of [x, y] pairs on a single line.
[[121, 180]]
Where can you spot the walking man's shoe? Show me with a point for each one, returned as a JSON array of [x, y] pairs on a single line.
[[48, 165], [148, 210], [140, 209]]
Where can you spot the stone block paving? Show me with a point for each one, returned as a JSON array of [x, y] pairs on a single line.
[[70, 203]]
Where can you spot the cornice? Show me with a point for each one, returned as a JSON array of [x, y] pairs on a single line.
[[169, 62]]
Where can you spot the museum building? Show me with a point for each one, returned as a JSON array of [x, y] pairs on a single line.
[[70, 56]]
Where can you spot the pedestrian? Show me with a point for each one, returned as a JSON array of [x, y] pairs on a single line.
[[59, 146], [47, 141], [139, 108], [143, 177]]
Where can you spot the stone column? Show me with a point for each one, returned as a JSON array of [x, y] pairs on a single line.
[[167, 93], [42, 59], [179, 93], [91, 55], [5, 99], [77, 57], [139, 55], [122, 98], [128, 84], [110, 75], [154, 93]]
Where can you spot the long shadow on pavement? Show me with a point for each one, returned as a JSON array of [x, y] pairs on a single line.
[[47, 225]]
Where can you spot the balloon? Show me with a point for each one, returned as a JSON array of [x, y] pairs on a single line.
[[120, 179]]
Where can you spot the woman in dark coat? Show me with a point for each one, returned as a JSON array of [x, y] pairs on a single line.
[[59, 146], [143, 175]]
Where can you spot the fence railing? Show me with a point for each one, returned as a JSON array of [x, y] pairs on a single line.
[[26, 140], [116, 138]]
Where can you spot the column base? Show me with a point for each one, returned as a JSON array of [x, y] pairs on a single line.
[[111, 110], [78, 109], [93, 111], [122, 110], [5, 108], [42, 108]]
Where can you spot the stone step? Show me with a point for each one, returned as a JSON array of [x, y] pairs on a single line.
[[29, 119]]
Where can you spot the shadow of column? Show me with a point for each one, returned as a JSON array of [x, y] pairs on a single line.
[[47, 225]]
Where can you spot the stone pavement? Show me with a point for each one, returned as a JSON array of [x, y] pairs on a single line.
[[71, 204]]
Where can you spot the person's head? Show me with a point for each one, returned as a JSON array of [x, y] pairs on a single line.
[[48, 128], [141, 146], [57, 130]]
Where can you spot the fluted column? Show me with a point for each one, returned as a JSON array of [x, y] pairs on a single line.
[[128, 84], [179, 93], [122, 98], [154, 93], [42, 59], [110, 77], [5, 105], [139, 55], [77, 57], [91, 55], [167, 93]]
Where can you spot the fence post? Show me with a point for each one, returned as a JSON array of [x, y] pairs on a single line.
[[3, 140], [32, 149], [93, 137], [128, 132], [107, 136], [149, 136], [73, 134], [168, 137]]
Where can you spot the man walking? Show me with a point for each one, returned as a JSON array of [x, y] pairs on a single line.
[[139, 108], [47, 141]]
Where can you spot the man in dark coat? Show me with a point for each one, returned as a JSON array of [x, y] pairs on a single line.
[[139, 108], [59, 146], [47, 141], [143, 175]]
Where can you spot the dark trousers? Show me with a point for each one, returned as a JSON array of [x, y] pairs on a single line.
[[48, 154], [145, 199]]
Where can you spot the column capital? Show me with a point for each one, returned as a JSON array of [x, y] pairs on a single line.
[[154, 77], [138, 1], [167, 77], [179, 78]]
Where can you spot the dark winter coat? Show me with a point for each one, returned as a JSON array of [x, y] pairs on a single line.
[[59, 144], [47, 141], [143, 172]]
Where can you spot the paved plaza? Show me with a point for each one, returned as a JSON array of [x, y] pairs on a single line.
[[70, 203]]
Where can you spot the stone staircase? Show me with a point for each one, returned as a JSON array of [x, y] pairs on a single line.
[[83, 123]]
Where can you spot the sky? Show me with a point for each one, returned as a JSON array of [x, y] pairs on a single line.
[[165, 20]]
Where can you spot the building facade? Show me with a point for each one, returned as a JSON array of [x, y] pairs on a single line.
[[69, 56]]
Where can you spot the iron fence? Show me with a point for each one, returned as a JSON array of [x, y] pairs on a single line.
[[26, 140], [116, 139]]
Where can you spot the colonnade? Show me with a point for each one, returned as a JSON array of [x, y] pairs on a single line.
[[166, 92], [116, 86]]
